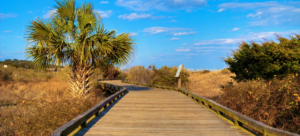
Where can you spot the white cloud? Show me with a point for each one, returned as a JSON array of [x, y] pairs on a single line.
[[235, 29], [254, 15], [250, 37], [184, 43], [188, 10], [182, 50], [174, 39], [156, 30], [134, 16], [133, 34], [268, 13], [50, 13], [104, 2], [146, 5], [7, 31], [184, 33], [105, 14], [173, 21], [248, 5], [3, 16], [33, 11], [221, 9], [218, 41]]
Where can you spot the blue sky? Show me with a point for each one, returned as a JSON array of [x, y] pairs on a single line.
[[196, 33]]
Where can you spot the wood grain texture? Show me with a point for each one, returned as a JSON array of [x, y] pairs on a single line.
[[150, 111]]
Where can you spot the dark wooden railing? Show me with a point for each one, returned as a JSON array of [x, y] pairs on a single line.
[[81, 120], [237, 118]]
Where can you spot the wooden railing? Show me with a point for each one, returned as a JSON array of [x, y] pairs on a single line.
[[81, 120], [108, 79], [237, 118]]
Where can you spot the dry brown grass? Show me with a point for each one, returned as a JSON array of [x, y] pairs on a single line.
[[273, 102], [37, 103], [209, 84]]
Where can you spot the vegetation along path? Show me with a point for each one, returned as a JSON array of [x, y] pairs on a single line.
[[150, 111]]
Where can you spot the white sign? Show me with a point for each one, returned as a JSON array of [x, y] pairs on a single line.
[[179, 70], [5, 66]]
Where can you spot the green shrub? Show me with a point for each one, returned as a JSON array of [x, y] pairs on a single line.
[[18, 63], [205, 71], [253, 61], [166, 77], [225, 71]]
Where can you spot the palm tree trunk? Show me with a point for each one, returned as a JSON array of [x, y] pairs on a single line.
[[80, 85]]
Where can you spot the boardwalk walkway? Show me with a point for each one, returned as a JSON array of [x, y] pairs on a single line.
[[151, 111]]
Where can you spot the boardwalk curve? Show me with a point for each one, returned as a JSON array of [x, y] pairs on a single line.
[[152, 111]]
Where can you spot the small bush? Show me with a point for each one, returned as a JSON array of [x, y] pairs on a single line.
[[6, 77], [165, 80], [205, 71], [166, 77], [225, 71], [111, 73], [140, 74]]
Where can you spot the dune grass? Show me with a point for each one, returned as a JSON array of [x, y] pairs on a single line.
[[208, 83], [36, 103]]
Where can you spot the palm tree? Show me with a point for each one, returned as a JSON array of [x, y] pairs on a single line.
[[75, 36]]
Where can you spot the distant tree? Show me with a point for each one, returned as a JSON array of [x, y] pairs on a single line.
[[75, 36], [252, 61]]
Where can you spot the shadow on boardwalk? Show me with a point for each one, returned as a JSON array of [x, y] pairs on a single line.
[[95, 120], [137, 88]]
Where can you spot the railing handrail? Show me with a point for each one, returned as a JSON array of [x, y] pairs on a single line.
[[239, 119], [82, 119], [108, 79]]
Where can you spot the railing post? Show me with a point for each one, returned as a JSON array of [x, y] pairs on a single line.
[[179, 82], [83, 125], [219, 113], [236, 122]]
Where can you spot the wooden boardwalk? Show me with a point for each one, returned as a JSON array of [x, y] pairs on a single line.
[[151, 111]]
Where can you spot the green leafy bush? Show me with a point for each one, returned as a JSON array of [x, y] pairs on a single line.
[[252, 61], [166, 77], [225, 71]]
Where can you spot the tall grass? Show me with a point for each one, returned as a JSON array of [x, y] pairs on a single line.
[[36, 103], [207, 83]]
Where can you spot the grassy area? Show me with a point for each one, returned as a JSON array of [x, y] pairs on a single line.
[[208, 83], [36, 103]]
